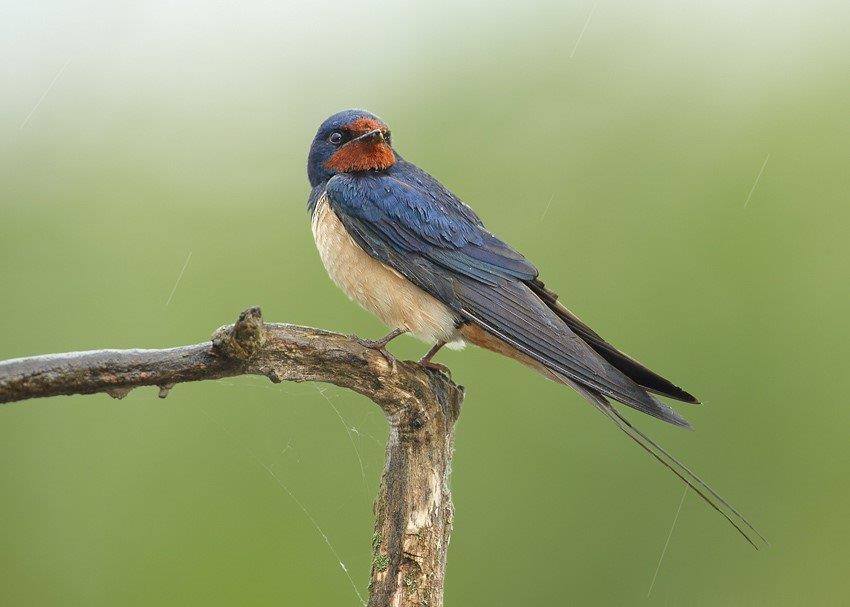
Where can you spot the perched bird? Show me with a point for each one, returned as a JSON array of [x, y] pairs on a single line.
[[405, 248]]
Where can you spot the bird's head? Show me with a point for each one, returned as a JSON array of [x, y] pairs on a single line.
[[347, 142]]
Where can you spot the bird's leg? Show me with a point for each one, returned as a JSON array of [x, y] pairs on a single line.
[[428, 363], [381, 344]]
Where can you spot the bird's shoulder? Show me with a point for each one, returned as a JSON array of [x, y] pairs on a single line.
[[411, 200]]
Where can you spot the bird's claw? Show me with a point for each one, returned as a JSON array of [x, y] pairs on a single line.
[[429, 364]]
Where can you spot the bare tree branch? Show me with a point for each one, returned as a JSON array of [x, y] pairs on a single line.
[[413, 509]]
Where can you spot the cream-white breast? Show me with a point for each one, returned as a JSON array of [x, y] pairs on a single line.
[[378, 288]]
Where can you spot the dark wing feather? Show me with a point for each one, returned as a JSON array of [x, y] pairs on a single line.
[[622, 361], [515, 314]]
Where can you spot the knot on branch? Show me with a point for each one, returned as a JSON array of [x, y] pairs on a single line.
[[244, 338]]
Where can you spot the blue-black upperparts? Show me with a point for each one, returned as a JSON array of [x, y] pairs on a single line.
[[408, 220]]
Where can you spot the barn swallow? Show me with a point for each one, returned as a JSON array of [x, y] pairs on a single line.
[[405, 248]]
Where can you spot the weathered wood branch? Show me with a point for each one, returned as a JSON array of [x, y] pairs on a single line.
[[413, 509]]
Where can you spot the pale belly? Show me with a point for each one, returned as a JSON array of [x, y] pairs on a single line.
[[378, 288]]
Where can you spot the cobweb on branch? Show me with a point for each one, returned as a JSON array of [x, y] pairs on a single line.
[[279, 482]]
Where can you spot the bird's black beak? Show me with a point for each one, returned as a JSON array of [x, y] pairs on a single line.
[[376, 135]]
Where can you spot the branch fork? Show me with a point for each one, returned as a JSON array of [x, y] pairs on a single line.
[[413, 509]]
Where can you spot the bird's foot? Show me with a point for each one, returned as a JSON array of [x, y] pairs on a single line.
[[429, 364], [380, 345], [426, 361]]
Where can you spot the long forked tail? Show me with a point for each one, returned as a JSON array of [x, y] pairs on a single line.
[[708, 495]]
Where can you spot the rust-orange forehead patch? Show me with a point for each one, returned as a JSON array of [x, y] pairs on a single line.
[[365, 125]]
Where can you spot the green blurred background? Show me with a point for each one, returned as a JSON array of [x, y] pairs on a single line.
[[678, 171]]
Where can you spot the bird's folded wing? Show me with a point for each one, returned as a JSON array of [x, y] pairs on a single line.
[[515, 314], [636, 371], [482, 280]]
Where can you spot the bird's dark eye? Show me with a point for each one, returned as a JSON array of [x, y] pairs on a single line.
[[335, 138]]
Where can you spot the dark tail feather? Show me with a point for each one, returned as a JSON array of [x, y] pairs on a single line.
[[631, 368], [708, 495]]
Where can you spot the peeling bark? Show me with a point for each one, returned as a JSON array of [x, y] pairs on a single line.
[[413, 509]]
